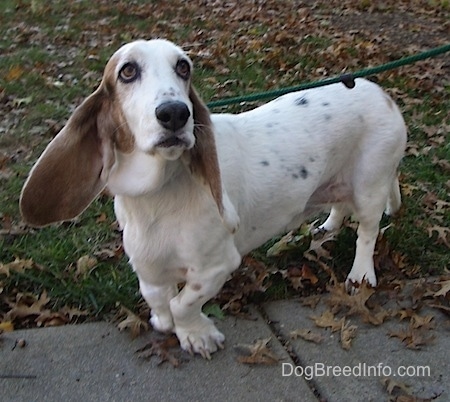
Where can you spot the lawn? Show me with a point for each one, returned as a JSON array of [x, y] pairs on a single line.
[[52, 56]]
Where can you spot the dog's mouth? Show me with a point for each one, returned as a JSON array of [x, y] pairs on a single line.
[[172, 142]]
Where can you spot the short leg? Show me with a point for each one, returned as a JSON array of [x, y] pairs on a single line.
[[368, 211], [158, 298], [363, 266], [394, 200], [335, 219], [196, 332]]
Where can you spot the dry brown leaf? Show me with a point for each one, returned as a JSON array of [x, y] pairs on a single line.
[[317, 245], [161, 348], [51, 319], [17, 265], [413, 338], [27, 305], [71, 312], [356, 303], [307, 335], [311, 301], [258, 353], [327, 320], [131, 321], [348, 333], [443, 234], [308, 274], [445, 288], [84, 265], [392, 385], [6, 326], [425, 322], [101, 218]]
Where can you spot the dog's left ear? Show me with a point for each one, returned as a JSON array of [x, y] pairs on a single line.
[[204, 161]]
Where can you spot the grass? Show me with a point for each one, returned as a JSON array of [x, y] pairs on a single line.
[[52, 58]]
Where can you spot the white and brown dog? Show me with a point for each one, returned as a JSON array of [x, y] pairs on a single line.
[[194, 192]]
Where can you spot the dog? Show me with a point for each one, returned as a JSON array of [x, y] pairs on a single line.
[[195, 191]]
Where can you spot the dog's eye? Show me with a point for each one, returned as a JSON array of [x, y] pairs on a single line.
[[129, 72], [183, 69]]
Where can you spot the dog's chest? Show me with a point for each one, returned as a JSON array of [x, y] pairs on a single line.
[[164, 241]]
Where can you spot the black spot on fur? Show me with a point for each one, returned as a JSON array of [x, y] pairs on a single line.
[[265, 163], [303, 172], [326, 104], [301, 101]]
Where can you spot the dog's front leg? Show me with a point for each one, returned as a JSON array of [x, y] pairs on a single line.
[[196, 332], [158, 298]]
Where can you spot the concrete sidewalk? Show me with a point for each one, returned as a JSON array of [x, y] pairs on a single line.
[[96, 362]]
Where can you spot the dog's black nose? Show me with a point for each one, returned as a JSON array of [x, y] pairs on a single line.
[[172, 115]]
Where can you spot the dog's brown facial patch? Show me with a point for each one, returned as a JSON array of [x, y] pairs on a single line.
[[122, 136]]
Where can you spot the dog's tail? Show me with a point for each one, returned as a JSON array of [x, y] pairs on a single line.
[[394, 200]]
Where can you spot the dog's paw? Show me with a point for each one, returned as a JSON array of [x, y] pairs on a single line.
[[356, 277], [202, 338], [162, 323]]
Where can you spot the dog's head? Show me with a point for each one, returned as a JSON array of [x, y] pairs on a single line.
[[145, 104]]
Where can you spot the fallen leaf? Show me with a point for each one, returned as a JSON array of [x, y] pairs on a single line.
[[101, 218], [392, 385], [14, 73], [6, 326], [356, 303], [413, 338], [307, 335], [317, 244], [258, 353], [22, 101], [445, 288], [308, 274], [84, 265], [161, 348], [311, 301], [443, 234], [51, 319], [348, 333], [213, 310], [27, 305], [299, 240], [327, 320], [17, 265], [425, 322], [131, 321]]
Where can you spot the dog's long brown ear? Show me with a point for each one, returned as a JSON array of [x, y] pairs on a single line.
[[72, 170], [204, 162]]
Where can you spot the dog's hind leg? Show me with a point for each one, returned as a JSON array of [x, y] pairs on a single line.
[[335, 219], [394, 200], [370, 200]]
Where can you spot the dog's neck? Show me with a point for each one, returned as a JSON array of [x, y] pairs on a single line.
[[137, 173]]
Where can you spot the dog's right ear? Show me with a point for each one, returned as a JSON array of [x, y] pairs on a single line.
[[74, 167]]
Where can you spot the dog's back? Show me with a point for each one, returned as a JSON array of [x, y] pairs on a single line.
[[304, 151]]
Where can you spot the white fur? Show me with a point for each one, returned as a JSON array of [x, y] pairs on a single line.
[[280, 163]]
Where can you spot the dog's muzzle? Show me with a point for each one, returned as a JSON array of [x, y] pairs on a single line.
[[172, 115]]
